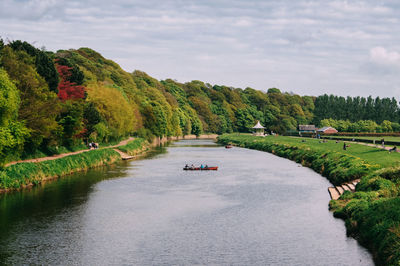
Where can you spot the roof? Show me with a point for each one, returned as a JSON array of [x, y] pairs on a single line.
[[258, 125], [326, 128], [307, 127]]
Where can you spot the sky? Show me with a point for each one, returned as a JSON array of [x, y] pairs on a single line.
[[309, 47]]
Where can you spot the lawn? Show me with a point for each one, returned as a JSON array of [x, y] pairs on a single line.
[[370, 154], [377, 139]]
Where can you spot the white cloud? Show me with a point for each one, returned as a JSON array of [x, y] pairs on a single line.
[[380, 55]]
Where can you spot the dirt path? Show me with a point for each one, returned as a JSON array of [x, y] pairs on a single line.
[[124, 142]]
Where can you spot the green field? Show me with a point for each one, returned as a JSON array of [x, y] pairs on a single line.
[[377, 139], [369, 154]]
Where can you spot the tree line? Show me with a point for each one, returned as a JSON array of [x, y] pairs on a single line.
[[55, 100], [355, 109], [52, 101]]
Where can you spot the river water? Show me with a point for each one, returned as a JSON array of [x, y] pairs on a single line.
[[257, 209]]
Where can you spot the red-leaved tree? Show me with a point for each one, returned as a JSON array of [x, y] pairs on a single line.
[[68, 90]]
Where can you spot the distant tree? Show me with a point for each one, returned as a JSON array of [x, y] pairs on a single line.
[[274, 90]]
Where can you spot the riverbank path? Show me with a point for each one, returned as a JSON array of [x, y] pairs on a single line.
[[124, 142]]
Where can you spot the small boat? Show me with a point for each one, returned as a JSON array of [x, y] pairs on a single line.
[[228, 146], [201, 169]]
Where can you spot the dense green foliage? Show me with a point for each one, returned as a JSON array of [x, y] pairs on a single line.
[[356, 108], [372, 213], [77, 96], [12, 132]]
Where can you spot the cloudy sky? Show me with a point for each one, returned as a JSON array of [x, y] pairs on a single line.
[[308, 47]]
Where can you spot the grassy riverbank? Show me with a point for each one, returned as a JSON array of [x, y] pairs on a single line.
[[372, 214], [32, 173], [135, 147]]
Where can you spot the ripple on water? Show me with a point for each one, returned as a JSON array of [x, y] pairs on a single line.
[[257, 209]]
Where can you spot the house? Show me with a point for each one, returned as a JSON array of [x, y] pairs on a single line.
[[258, 129], [327, 130], [307, 129]]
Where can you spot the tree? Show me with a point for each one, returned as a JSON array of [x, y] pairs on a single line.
[[386, 126], [68, 90], [12, 132], [39, 106], [273, 90], [43, 63], [91, 117], [117, 114], [71, 120], [244, 120], [75, 75]]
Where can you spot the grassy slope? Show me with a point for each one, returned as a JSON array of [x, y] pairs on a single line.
[[134, 147], [372, 213], [370, 154], [22, 174]]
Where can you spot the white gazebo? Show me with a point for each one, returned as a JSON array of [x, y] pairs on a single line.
[[258, 129]]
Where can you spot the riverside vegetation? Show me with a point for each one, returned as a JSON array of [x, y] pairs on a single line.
[[372, 213], [32, 173], [52, 102]]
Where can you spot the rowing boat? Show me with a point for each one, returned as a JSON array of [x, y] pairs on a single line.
[[201, 169]]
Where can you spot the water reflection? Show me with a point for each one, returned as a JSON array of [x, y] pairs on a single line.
[[256, 209]]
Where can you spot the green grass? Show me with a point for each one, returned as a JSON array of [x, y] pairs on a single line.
[[18, 175], [377, 139], [22, 174], [134, 147], [372, 213], [371, 155]]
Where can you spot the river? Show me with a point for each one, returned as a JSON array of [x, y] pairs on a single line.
[[257, 209]]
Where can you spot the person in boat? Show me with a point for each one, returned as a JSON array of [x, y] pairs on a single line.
[[192, 166], [186, 166], [206, 166], [202, 166]]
